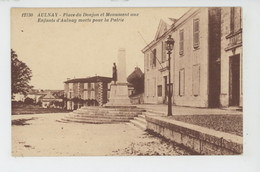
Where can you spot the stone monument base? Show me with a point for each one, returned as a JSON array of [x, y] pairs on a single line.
[[119, 95]]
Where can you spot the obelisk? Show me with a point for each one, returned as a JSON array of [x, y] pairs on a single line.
[[119, 91], [121, 66]]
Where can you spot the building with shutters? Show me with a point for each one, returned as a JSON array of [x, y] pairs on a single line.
[[231, 57], [91, 91], [195, 64]]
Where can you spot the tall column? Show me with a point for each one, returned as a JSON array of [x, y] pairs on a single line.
[[121, 66]]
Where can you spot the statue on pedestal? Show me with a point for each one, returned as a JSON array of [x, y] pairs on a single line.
[[119, 90], [114, 76]]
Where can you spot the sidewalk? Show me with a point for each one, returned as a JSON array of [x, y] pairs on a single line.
[[181, 110], [209, 131]]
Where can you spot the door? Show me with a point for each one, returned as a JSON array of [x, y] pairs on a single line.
[[234, 80]]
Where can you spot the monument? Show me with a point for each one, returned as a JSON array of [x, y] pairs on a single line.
[[119, 89]]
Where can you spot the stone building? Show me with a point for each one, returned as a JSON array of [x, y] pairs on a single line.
[[86, 91], [195, 64], [231, 57]]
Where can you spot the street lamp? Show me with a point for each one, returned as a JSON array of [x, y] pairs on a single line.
[[169, 47]]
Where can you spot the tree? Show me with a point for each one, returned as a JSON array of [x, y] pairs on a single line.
[[28, 101], [21, 75], [137, 79]]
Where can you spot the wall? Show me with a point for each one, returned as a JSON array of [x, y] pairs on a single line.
[[198, 139], [228, 50], [191, 57]]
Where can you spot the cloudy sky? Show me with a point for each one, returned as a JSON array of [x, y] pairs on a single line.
[[55, 51]]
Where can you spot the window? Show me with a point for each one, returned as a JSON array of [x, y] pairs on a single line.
[[181, 50], [86, 95], [151, 59], [147, 61], [92, 86], [154, 57], [159, 88], [147, 87], [70, 86], [196, 33], [163, 52], [154, 87], [181, 82], [85, 86], [232, 19], [235, 19], [92, 94], [196, 80]]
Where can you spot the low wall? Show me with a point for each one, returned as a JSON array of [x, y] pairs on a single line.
[[199, 139]]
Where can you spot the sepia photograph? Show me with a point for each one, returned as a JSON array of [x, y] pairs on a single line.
[[157, 81]]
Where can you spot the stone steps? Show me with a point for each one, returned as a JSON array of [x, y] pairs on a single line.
[[108, 113], [100, 115], [87, 121], [140, 122], [154, 113]]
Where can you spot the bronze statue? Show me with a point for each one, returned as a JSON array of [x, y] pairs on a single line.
[[114, 77]]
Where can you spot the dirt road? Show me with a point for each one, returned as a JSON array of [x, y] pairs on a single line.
[[42, 135]]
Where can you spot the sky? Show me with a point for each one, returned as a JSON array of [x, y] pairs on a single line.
[[55, 51]]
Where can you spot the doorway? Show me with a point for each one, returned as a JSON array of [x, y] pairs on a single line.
[[234, 80]]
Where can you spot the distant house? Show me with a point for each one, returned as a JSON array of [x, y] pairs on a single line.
[[91, 91], [35, 94], [49, 100]]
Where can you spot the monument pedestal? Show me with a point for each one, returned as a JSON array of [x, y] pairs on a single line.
[[119, 91], [119, 95]]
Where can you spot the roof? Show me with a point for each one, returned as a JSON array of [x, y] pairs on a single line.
[[174, 24], [48, 96], [164, 25], [42, 92], [90, 79]]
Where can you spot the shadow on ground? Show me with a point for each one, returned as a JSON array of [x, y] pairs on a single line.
[[22, 122]]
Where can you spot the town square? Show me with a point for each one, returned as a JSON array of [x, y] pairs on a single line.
[[158, 81]]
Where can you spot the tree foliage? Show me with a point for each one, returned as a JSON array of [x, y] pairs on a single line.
[[21, 75], [137, 79]]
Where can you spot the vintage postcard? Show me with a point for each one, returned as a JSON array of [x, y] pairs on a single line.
[[127, 81]]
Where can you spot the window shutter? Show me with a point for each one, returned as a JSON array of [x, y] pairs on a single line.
[[151, 59], [195, 80], [196, 33], [147, 61], [154, 57], [163, 52], [181, 82], [181, 42], [159, 90]]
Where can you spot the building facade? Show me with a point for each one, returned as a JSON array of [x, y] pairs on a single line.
[[91, 91], [195, 71], [231, 57], [202, 69]]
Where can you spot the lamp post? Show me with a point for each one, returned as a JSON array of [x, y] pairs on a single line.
[[169, 47]]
